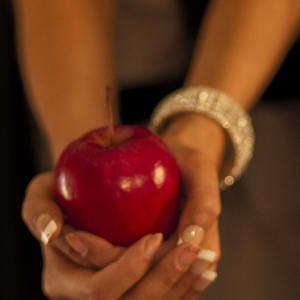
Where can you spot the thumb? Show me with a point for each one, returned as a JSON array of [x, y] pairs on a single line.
[[203, 205], [40, 212]]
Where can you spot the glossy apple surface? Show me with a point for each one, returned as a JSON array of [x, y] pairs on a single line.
[[119, 188]]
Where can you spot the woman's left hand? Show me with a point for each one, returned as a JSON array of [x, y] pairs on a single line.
[[198, 144]]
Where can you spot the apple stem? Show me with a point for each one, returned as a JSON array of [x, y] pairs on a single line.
[[110, 112]]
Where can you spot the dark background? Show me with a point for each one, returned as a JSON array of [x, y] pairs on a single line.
[[20, 259]]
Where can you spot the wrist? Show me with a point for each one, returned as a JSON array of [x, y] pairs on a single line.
[[197, 132], [221, 108]]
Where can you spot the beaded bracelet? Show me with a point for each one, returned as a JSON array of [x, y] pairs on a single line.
[[220, 107]]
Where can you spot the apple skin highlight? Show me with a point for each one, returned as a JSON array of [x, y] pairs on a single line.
[[119, 187]]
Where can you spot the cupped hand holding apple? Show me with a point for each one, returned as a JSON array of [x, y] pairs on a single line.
[[116, 272], [198, 163], [198, 157], [125, 272]]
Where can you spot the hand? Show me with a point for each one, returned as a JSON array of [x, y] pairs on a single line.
[[70, 273], [198, 153], [198, 144], [125, 278], [200, 183]]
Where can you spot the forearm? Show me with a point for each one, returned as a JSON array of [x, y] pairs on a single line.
[[241, 45], [66, 57]]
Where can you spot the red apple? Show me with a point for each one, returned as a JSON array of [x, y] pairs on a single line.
[[119, 187]]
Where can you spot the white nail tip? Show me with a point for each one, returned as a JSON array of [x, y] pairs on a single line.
[[180, 241], [207, 255], [48, 231], [209, 275]]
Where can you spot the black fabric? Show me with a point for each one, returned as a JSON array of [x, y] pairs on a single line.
[[20, 257]]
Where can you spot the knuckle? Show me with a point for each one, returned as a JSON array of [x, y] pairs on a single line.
[[212, 208], [26, 203], [27, 221], [25, 210], [27, 217], [32, 183]]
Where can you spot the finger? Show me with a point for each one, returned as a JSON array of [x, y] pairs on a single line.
[[65, 280], [206, 279], [165, 274], [121, 275], [166, 247], [203, 205], [207, 270], [204, 260], [95, 251], [61, 244], [40, 212], [89, 250], [201, 284], [207, 257], [98, 252]]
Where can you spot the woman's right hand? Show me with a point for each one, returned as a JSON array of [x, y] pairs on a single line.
[[125, 278], [137, 272]]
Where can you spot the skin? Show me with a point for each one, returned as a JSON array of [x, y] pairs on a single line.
[[76, 38]]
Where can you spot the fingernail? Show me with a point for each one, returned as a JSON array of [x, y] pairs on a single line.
[[207, 277], [62, 244], [76, 243], [46, 226], [204, 258], [186, 258], [193, 235], [152, 244]]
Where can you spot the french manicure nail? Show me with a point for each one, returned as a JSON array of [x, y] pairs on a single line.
[[152, 244], [193, 235], [208, 255], [46, 226], [207, 277], [186, 258], [76, 243], [204, 258]]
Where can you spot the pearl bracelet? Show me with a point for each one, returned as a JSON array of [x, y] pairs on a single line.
[[220, 107]]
